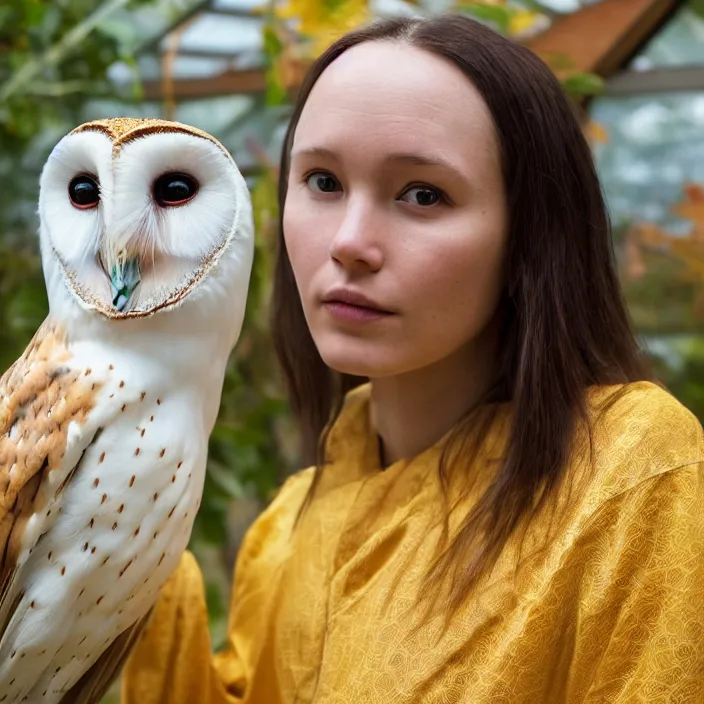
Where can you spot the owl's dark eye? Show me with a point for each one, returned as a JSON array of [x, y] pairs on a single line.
[[174, 189], [84, 192]]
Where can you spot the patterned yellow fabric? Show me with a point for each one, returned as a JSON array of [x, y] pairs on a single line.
[[611, 610]]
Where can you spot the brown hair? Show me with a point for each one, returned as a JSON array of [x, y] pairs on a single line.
[[565, 325]]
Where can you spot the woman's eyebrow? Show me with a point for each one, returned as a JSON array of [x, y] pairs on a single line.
[[411, 158], [314, 151], [414, 159]]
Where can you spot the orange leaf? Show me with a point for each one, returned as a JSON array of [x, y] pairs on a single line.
[[596, 132], [652, 235], [692, 207], [633, 265]]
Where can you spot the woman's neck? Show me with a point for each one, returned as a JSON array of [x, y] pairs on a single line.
[[412, 411]]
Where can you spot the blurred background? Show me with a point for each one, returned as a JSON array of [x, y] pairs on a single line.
[[634, 68]]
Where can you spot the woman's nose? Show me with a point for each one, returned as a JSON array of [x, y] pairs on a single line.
[[356, 245]]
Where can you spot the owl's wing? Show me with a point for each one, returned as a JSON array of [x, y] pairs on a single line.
[[91, 688], [43, 410]]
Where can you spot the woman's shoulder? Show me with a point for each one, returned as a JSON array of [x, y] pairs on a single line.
[[643, 413], [640, 431]]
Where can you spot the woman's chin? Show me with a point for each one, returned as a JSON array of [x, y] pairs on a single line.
[[348, 361], [362, 360]]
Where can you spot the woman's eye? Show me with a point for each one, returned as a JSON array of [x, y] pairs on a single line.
[[322, 182], [84, 192], [422, 195], [174, 189]]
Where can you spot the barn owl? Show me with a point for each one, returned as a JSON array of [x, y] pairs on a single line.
[[146, 239]]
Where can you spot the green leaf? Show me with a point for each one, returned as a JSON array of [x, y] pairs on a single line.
[[583, 84], [226, 480], [273, 45], [276, 93], [5, 17], [209, 524], [217, 614], [34, 12], [27, 308], [558, 61], [498, 15], [697, 7], [119, 30]]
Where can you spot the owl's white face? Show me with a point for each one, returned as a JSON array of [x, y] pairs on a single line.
[[136, 213]]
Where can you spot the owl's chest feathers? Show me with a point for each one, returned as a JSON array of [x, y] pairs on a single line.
[[146, 456], [121, 482], [123, 502]]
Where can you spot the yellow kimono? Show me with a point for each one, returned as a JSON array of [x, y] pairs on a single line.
[[611, 611]]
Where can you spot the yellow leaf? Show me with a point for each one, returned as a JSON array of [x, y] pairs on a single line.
[[323, 21], [596, 132], [521, 21]]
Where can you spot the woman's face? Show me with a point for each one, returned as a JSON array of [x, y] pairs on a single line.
[[395, 219]]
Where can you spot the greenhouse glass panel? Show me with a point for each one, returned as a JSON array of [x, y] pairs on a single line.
[[219, 34], [654, 148], [680, 43]]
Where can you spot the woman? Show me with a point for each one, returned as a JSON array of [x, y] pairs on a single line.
[[509, 511]]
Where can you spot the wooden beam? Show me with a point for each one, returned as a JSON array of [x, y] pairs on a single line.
[[227, 83], [225, 12], [662, 80], [230, 82], [206, 54], [602, 37]]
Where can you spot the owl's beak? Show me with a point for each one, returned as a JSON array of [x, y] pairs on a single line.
[[124, 279]]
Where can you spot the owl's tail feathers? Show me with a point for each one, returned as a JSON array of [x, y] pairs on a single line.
[[91, 688]]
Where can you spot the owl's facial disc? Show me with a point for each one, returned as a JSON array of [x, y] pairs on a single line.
[[135, 268], [138, 212]]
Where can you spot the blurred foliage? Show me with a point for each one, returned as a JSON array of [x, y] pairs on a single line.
[[663, 280], [23, 303], [648, 242], [55, 56], [681, 369]]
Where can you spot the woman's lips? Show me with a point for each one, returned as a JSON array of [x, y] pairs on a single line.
[[348, 305], [348, 312]]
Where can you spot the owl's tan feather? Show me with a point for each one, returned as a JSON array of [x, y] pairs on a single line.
[[39, 398], [122, 130]]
